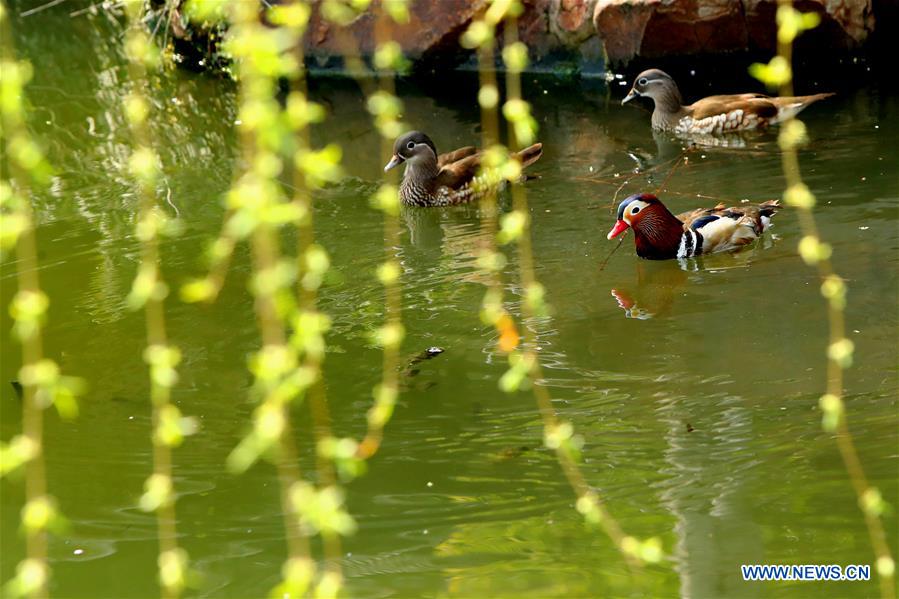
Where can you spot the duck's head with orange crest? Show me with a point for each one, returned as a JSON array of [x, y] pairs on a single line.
[[657, 232]]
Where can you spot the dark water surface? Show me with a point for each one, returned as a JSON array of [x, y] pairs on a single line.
[[695, 387]]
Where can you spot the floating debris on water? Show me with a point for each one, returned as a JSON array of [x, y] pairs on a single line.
[[410, 369]]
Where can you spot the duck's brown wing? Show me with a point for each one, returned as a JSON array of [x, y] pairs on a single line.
[[753, 211], [759, 105], [688, 217], [728, 228], [455, 155], [459, 173]]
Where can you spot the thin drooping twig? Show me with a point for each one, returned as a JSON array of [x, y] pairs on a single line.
[[105, 4], [682, 159], [41, 8], [602, 265], [168, 200], [632, 176]]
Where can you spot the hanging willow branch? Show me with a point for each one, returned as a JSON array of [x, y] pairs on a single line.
[[515, 227], [480, 37], [308, 324], [41, 382], [274, 140], [385, 107], [148, 292], [778, 74]]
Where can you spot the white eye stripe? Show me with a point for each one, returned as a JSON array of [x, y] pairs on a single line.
[[410, 145], [642, 81]]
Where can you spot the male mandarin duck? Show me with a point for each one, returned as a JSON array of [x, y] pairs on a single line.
[[659, 235], [714, 114], [433, 179]]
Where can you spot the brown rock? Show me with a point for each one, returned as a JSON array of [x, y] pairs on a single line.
[[845, 23], [533, 26], [653, 28], [620, 25], [693, 27], [432, 24], [571, 20]]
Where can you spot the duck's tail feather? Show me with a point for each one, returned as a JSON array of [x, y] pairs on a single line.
[[766, 211], [530, 155], [769, 208], [790, 107]]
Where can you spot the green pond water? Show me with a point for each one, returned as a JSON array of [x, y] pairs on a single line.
[[694, 386]]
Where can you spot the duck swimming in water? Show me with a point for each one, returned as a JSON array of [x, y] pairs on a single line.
[[433, 179], [714, 114], [660, 235]]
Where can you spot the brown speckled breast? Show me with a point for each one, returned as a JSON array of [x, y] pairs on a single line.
[[735, 120], [413, 193]]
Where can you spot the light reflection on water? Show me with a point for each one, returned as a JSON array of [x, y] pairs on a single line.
[[694, 386]]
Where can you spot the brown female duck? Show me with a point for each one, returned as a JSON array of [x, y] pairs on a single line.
[[714, 114], [659, 235], [433, 179]]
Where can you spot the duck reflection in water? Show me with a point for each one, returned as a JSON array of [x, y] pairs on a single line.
[[652, 293], [436, 228], [447, 241]]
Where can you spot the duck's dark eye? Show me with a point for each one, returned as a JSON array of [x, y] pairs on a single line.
[[635, 210], [410, 145], [642, 81]]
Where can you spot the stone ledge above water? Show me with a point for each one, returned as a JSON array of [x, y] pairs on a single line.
[[581, 36], [626, 29], [659, 28]]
